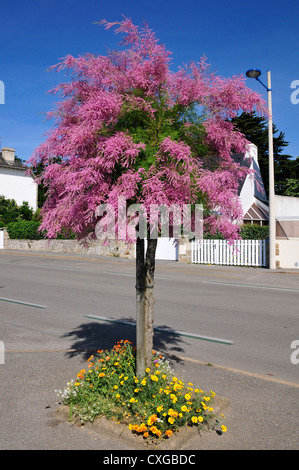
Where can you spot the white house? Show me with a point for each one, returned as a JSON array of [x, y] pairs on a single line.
[[14, 183]]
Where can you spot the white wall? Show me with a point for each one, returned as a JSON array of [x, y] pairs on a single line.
[[288, 256], [286, 206], [167, 249], [14, 184]]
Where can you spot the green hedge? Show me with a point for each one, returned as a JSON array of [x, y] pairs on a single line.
[[254, 232], [24, 230], [29, 230]]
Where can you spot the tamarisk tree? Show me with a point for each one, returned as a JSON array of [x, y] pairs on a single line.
[[128, 128]]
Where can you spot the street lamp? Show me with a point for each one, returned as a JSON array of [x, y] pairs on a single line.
[[255, 73]]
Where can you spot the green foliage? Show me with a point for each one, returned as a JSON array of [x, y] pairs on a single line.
[[24, 230], [254, 232], [292, 185], [11, 212]]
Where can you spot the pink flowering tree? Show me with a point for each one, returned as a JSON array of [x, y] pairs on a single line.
[[129, 130]]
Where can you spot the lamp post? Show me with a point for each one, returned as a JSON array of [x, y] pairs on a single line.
[[255, 73]]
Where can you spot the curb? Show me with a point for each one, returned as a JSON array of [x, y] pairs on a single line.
[[121, 432]]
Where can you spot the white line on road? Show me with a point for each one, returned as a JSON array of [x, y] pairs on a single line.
[[165, 330], [22, 303], [131, 274], [57, 267], [249, 285]]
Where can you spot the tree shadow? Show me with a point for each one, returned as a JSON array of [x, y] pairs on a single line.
[[94, 335]]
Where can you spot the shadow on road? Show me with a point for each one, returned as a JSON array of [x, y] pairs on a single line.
[[91, 336]]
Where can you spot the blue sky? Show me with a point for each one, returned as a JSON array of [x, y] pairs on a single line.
[[233, 35]]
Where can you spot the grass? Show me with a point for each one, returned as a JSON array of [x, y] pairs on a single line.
[[154, 406]]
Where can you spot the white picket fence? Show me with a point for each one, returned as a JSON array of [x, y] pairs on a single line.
[[241, 253]]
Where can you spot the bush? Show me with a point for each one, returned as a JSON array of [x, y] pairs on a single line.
[[254, 232], [11, 212], [24, 230]]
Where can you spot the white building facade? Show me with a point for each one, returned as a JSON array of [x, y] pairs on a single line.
[[14, 182]]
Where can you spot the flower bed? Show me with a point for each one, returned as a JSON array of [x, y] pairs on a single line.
[[154, 406]]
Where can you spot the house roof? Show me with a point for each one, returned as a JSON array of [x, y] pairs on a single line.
[[256, 212], [16, 164]]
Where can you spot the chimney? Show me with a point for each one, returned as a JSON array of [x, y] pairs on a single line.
[[8, 154]]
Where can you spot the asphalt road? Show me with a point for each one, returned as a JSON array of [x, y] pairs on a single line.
[[241, 318], [56, 309]]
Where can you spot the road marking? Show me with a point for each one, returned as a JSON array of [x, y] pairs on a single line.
[[57, 267], [251, 285], [196, 272], [165, 330], [134, 275], [13, 301], [237, 371]]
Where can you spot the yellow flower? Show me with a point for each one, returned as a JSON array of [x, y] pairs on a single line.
[[147, 370], [117, 395], [115, 387], [196, 390], [154, 378], [194, 419], [136, 390], [223, 428], [200, 419], [142, 427], [155, 430], [116, 363], [187, 396], [143, 382], [160, 408], [171, 420], [133, 400], [184, 408], [152, 419]]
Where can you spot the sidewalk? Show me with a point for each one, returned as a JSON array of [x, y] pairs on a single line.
[[262, 414]]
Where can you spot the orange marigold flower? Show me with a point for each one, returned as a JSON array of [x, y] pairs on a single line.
[[168, 433]]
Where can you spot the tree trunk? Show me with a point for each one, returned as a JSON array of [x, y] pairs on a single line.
[[145, 269]]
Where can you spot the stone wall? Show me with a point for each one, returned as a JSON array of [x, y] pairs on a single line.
[[94, 247]]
